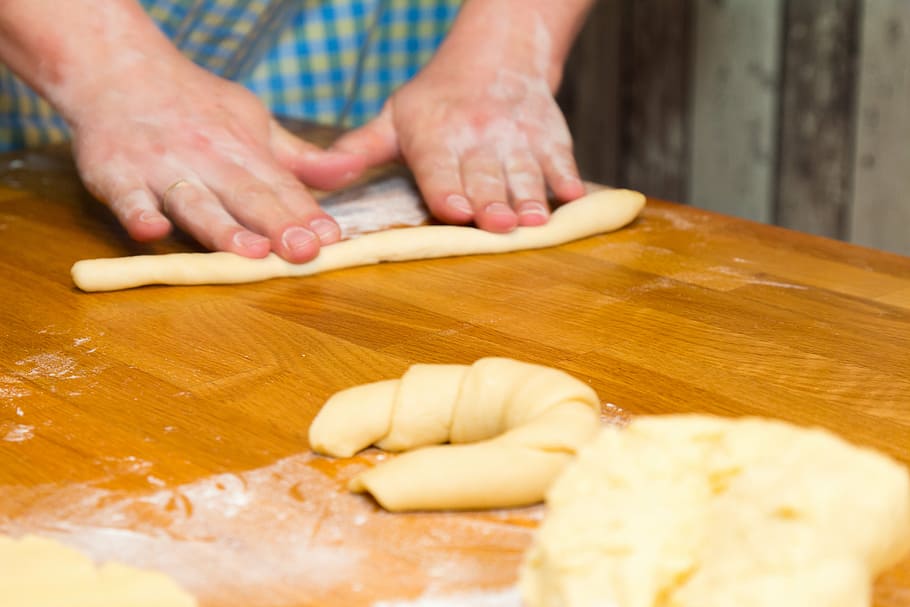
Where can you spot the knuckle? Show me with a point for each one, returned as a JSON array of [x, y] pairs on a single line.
[[521, 165], [251, 190], [526, 185], [180, 199], [437, 168], [486, 179], [255, 194], [104, 181], [130, 202], [484, 186]]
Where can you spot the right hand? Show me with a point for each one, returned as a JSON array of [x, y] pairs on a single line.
[[166, 141]]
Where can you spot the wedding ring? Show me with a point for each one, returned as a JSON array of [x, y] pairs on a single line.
[[171, 188]]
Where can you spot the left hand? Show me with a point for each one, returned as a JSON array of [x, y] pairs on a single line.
[[483, 143]]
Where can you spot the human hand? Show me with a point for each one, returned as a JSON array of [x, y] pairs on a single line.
[[483, 145], [173, 143]]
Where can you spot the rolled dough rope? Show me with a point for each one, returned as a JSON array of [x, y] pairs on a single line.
[[513, 427], [601, 211]]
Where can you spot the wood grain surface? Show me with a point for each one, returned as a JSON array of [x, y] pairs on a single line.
[[166, 426]]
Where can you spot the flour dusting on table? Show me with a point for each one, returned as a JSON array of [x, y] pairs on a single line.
[[288, 534], [16, 433]]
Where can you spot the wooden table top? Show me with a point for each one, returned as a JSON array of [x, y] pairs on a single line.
[[166, 426]]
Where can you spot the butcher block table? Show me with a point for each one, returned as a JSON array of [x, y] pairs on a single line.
[[166, 427]]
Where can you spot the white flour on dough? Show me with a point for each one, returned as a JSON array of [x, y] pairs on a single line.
[[375, 206]]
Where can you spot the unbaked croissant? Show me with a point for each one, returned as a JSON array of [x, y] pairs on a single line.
[[512, 426]]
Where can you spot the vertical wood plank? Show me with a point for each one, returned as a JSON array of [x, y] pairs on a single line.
[[817, 109], [880, 214], [734, 113], [589, 95], [654, 82]]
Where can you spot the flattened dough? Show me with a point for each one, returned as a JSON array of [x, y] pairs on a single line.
[[513, 427], [698, 511], [598, 212], [38, 572]]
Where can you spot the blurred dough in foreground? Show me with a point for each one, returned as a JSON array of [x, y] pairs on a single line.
[[38, 572], [699, 511]]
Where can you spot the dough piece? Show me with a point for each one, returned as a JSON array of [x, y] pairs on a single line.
[[697, 511], [598, 212], [513, 425], [38, 572]]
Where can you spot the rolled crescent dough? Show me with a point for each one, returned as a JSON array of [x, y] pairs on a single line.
[[700, 511], [513, 427], [38, 572], [598, 212]]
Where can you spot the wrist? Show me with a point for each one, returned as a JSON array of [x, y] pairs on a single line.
[[134, 79], [38, 42], [531, 37]]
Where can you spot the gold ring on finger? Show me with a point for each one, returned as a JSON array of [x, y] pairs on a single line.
[[171, 188]]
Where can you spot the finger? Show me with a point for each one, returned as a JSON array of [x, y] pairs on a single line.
[[137, 211], [277, 206], [438, 175], [195, 208], [135, 207], [318, 168], [376, 141], [527, 189], [561, 172], [485, 187], [305, 208]]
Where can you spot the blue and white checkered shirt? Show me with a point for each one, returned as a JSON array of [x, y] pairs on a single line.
[[328, 61]]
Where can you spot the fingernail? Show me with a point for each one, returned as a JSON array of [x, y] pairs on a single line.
[[150, 217], [498, 208], [248, 239], [326, 229], [297, 238], [459, 203], [532, 207]]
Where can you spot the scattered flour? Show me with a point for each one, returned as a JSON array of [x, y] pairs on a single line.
[[126, 465], [289, 531], [51, 364], [12, 387], [750, 279], [614, 415], [16, 433], [674, 217]]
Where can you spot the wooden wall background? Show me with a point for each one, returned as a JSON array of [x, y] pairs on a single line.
[[795, 112]]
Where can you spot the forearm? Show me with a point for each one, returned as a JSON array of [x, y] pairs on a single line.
[[69, 50], [528, 35]]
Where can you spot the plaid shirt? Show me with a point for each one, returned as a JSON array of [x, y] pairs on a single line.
[[329, 61]]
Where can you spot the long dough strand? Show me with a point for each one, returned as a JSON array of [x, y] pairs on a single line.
[[599, 212], [513, 427]]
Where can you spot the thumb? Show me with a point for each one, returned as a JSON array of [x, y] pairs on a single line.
[[314, 166], [376, 141]]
